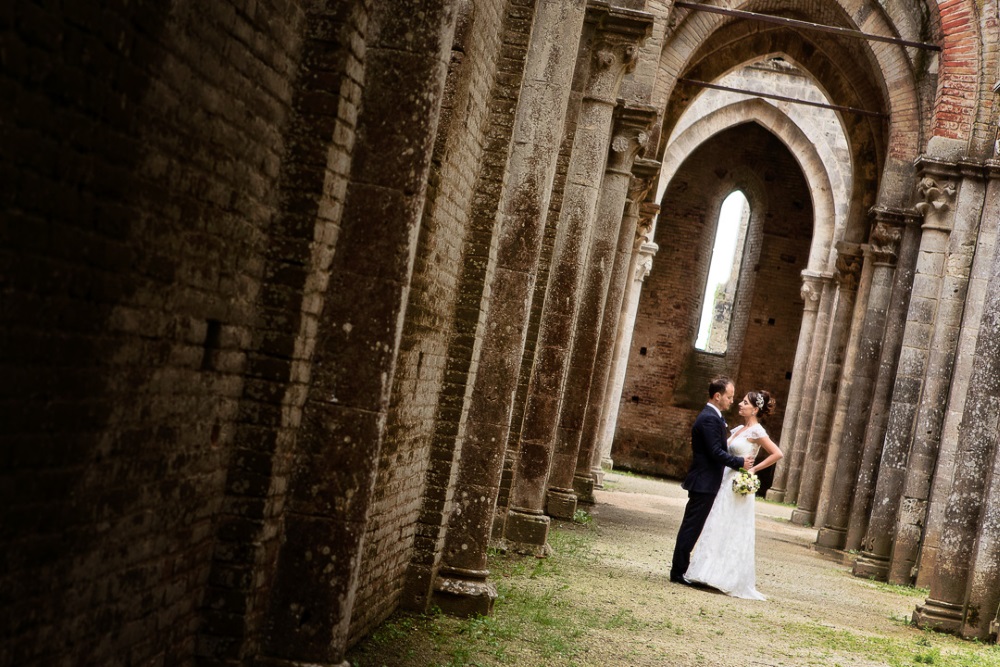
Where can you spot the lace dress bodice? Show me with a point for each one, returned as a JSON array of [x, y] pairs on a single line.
[[739, 439]]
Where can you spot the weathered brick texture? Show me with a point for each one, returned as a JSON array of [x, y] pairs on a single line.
[[456, 227], [140, 165]]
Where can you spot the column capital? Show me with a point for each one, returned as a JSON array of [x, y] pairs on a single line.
[[993, 169], [644, 226], [935, 194], [887, 232], [850, 258], [619, 33], [644, 263], [812, 289], [629, 135], [644, 173]]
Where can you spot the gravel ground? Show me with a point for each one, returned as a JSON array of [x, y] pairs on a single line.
[[810, 591]]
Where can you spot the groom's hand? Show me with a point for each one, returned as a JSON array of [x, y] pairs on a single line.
[[747, 462]]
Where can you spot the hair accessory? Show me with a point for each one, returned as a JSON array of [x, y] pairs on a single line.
[[759, 401]]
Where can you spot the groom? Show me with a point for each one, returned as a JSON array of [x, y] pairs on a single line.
[[710, 456]]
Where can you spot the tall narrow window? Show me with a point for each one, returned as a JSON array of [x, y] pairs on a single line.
[[723, 274]]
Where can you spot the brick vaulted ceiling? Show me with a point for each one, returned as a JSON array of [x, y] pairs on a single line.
[[873, 76]]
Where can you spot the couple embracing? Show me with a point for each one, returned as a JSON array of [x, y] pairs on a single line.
[[715, 543]]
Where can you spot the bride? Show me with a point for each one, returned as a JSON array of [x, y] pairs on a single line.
[[723, 557]]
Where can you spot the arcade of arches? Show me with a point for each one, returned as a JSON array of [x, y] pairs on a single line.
[[306, 304]]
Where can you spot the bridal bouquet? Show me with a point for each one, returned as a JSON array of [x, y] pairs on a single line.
[[746, 482]]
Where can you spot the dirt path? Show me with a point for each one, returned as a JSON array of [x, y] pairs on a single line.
[[812, 598]]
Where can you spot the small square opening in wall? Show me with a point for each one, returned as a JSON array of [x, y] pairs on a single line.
[[788, 375], [635, 399], [770, 321], [642, 351]]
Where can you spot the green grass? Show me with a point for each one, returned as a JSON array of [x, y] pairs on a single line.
[[928, 649], [560, 611], [898, 589], [533, 621]]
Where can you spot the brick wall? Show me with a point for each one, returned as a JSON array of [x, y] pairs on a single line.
[[960, 70], [313, 181], [471, 128], [141, 158], [666, 380]]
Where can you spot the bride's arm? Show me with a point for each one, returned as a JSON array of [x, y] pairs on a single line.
[[773, 453]]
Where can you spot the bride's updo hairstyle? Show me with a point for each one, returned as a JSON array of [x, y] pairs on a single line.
[[763, 401]]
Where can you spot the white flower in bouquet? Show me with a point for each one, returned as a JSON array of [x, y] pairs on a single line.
[[746, 482]]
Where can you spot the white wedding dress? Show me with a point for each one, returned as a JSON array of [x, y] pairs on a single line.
[[723, 557]]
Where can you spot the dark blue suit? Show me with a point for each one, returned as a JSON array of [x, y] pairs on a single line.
[[709, 457]]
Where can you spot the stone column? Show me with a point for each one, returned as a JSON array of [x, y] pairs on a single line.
[[527, 526], [613, 53], [849, 264], [810, 389], [632, 125], [460, 586], [936, 197], [963, 571], [831, 468], [644, 173], [811, 292], [923, 455], [883, 244], [639, 266], [989, 228], [335, 458], [874, 432], [984, 586]]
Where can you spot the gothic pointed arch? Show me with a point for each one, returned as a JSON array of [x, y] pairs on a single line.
[[828, 224]]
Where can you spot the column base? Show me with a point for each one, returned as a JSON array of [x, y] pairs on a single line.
[[560, 503], [598, 475], [775, 495], [584, 488], [940, 616], [832, 538], [527, 533], [902, 574], [802, 517], [607, 464], [870, 566], [464, 593]]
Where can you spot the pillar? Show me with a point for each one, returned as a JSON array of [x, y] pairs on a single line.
[[923, 456], [336, 453], [811, 293], [816, 352], [874, 431], [845, 389], [613, 53], [639, 265], [632, 125], [644, 173], [883, 244], [849, 265], [963, 572], [936, 196], [461, 585], [989, 227]]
